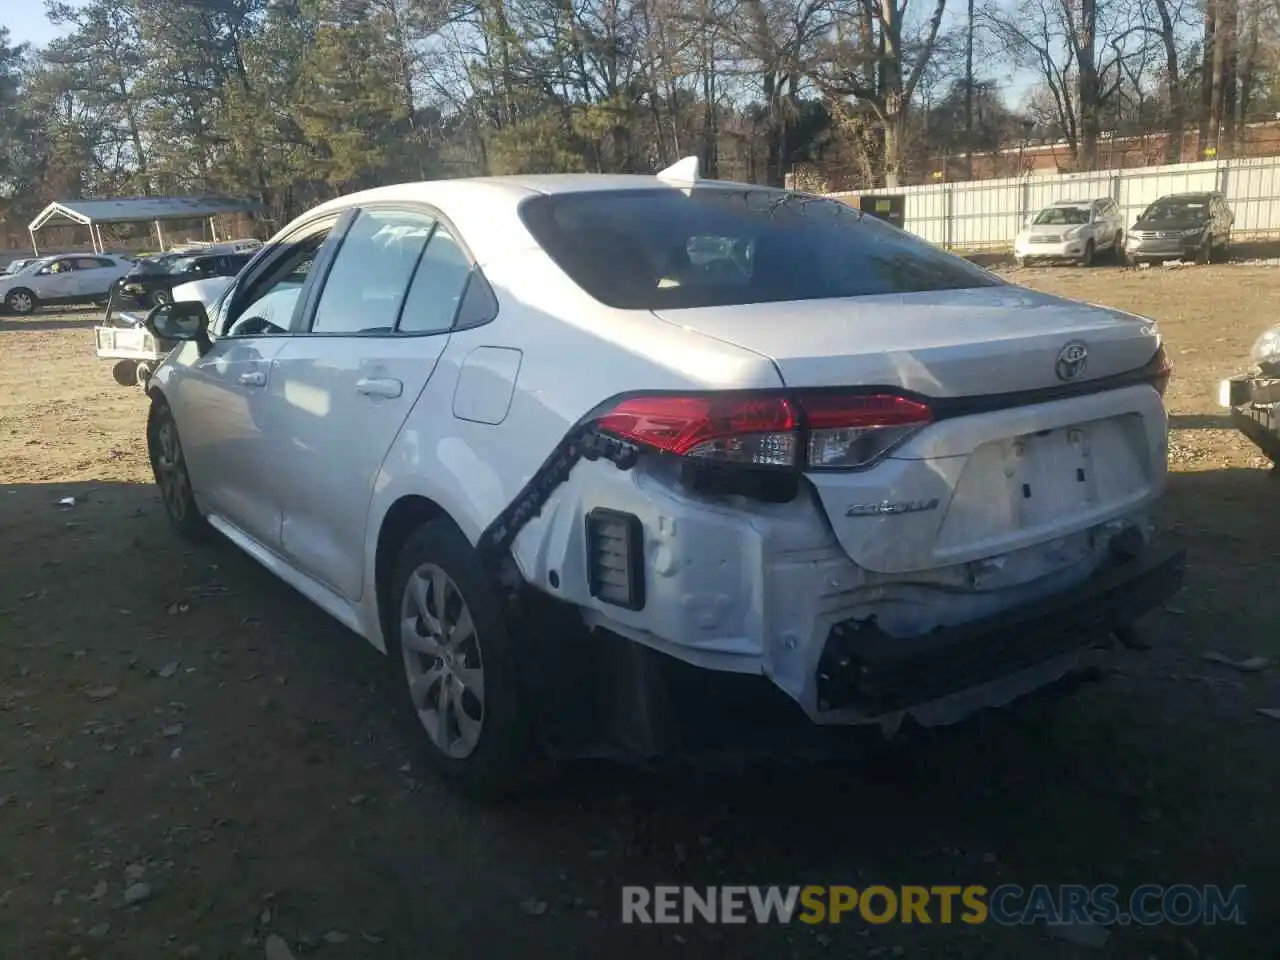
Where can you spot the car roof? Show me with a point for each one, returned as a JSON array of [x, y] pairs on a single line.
[[1076, 203], [1191, 195]]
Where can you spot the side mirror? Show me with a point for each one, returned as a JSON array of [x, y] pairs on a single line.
[[180, 320]]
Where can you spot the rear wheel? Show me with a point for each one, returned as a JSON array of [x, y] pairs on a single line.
[[170, 468], [21, 301], [451, 654]]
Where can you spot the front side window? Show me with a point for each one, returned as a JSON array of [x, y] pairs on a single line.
[[266, 306], [370, 274], [710, 246]]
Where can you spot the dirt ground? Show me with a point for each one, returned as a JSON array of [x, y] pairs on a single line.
[[179, 719]]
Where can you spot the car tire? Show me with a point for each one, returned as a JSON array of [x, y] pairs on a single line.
[[1204, 253], [1223, 252], [21, 301], [1086, 258], [461, 691], [169, 466]]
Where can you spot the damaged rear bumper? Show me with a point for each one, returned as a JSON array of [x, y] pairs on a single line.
[[621, 699], [864, 669]]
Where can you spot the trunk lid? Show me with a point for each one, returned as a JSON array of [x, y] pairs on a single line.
[[985, 484], [947, 343]]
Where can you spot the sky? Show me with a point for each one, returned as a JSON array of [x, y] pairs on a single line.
[[27, 23]]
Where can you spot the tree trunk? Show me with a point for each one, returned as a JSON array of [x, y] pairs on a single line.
[[1206, 74], [1217, 83], [1173, 85], [1090, 124], [968, 96]]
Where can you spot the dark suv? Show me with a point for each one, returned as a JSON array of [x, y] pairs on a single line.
[[1182, 226], [152, 283]]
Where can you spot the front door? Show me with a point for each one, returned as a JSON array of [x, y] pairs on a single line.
[[342, 389], [230, 452], [57, 281]]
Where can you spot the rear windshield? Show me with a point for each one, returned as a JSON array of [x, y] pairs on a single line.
[[664, 248]]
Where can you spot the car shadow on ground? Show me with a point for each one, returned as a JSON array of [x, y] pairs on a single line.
[[66, 318], [1134, 779], [1199, 421]]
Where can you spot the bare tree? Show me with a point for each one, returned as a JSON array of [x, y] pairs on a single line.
[[1077, 47], [870, 61]]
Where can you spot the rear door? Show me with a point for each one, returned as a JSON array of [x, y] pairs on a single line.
[[344, 385], [94, 276]]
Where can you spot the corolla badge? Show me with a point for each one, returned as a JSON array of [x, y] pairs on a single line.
[[1072, 359], [888, 509]]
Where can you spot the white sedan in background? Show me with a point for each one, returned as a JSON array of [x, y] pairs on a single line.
[[594, 494], [67, 279], [1074, 231]]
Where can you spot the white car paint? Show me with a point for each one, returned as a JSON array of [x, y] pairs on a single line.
[[62, 279], [300, 446], [206, 291], [1046, 236]]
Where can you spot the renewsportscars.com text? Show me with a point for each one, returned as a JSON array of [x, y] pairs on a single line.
[[1007, 905]]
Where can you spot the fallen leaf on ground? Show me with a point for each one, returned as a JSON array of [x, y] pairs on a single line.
[[1251, 665], [1083, 934], [277, 949]]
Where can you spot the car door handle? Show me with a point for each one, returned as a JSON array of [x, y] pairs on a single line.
[[254, 378], [380, 386]]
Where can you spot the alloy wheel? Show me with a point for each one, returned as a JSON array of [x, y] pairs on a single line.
[[171, 470], [443, 664]]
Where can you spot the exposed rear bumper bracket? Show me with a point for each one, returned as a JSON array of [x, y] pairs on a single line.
[[865, 669]]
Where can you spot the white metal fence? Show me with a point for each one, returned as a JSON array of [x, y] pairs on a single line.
[[987, 214]]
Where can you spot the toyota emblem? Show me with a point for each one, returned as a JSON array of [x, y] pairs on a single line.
[[1072, 359]]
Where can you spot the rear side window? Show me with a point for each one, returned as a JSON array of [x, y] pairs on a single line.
[[438, 286], [369, 276], [666, 248]]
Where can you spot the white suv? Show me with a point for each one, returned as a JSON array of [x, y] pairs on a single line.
[[69, 279], [633, 462], [1072, 230]]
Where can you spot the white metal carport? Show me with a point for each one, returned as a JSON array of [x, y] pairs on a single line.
[[156, 210]]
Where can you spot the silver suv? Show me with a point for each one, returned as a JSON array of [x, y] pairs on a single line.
[[72, 278], [1072, 231]]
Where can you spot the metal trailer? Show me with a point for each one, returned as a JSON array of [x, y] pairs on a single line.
[[123, 337]]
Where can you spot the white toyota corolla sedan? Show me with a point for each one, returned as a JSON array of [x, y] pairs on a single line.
[[653, 464]]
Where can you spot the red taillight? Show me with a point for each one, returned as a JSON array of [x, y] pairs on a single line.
[[1161, 370], [843, 431], [734, 428]]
